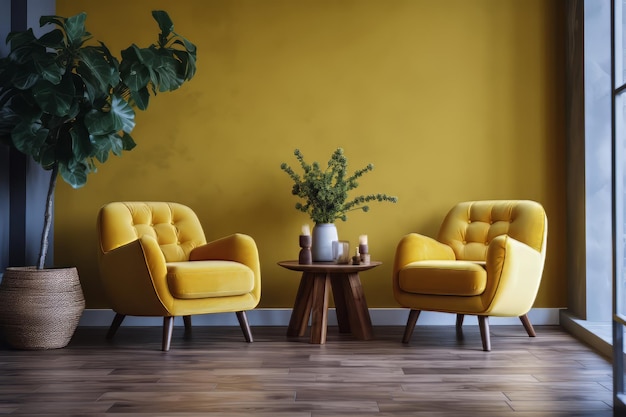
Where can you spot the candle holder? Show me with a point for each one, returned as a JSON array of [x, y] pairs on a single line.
[[356, 259], [305, 257], [341, 251], [364, 251]]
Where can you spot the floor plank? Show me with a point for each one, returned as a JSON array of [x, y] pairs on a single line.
[[216, 373]]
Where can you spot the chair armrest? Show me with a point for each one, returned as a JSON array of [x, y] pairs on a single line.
[[514, 272], [134, 276], [415, 247], [237, 247]]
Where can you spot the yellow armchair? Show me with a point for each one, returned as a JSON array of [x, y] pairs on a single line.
[[155, 261], [487, 260]]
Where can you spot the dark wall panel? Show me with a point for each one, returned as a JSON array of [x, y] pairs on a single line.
[[23, 183]]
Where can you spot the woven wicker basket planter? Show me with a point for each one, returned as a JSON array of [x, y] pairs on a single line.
[[40, 309]]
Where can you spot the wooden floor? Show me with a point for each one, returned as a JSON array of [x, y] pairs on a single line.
[[215, 373]]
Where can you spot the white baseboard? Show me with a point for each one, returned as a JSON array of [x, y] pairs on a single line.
[[280, 317]]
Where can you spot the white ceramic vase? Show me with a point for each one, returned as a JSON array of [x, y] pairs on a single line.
[[322, 247]]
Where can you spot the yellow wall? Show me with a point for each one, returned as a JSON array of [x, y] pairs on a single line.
[[450, 100]]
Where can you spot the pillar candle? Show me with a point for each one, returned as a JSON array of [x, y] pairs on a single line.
[[363, 249]]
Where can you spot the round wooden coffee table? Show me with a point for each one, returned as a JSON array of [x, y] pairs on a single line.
[[312, 300]]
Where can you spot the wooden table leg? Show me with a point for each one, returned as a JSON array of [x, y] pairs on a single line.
[[359, 315], [301, 307], [339, 295], [319, 308], [312, 301]]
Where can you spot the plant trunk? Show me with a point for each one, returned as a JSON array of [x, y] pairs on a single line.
[[47, 222]]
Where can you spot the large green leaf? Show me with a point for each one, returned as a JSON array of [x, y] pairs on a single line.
[[101, 123], [75, 29], [19, 39], [48, 68], [74, 172], [25, 55], [128, 142], [75, 109], [94, 66], [147, 56], [82, 147], [24, 79], [168, 79], [55, 99], [54, 20], [187, 64], [141, 98], [123, 113], [90, 89], [165, 23], [117, 145], [129, 57], [107, 54], [104, 144], [189, 46], [28, 136], [52, 39], [21, 68], [136, 77], [101, 147]]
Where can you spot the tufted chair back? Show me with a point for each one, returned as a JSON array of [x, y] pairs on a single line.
[[470, 226], [174, 226]]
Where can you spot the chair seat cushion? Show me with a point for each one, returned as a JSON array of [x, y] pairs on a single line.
[[206, 279], [460, 278]]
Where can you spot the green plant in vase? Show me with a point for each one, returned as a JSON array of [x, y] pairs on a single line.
[[325, 193]]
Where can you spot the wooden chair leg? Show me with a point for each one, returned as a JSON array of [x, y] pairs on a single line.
[[245, 327], [528, 326], [410, 325], [168, 327], [483, 323], [187, 321], [117, 321], [459, 326]]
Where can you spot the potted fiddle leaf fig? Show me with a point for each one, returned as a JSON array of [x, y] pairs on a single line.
[[68, 103]]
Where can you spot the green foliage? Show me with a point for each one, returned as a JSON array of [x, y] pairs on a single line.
[[69, 103], [325, 193]]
